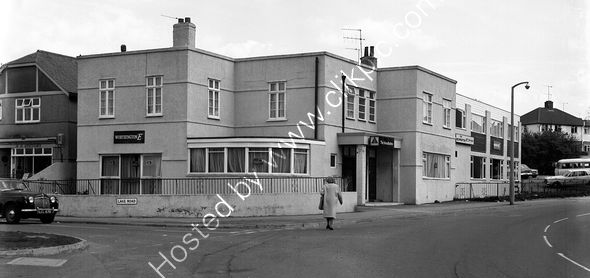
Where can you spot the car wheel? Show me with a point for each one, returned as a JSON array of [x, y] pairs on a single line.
[[12, 214], [47, 219]]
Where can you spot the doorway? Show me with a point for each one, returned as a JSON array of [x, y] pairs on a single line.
[[130, 173], [372, 174], [349, 167]]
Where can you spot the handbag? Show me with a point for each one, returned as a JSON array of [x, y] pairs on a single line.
[[321, 205]]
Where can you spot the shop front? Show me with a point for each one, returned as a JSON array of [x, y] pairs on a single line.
[[371, 166]]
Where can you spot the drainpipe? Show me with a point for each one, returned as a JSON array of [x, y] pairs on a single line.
[[343, 100], [315, 119]]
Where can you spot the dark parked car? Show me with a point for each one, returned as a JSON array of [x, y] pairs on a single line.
[[17, 202], [526, 172]]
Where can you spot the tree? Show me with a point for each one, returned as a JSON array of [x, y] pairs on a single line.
[[541, 150]]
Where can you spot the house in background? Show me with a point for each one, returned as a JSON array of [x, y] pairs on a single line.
[[586, 136], [38, 103], [548, 118]]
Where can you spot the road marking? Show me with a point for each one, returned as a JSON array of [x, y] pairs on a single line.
[[82, 227], [557, 221], [580, 215], [547, 228], [547, 241], [37, 262], [574, 262]]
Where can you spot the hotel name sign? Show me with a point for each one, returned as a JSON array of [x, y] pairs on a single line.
[[464, 139], [129, 137]]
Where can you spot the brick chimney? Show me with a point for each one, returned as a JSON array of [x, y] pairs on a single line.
[[369, 58], [549, 104], [183, 34]]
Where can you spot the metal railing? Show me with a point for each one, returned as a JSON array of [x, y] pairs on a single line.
[[482, 190], [183, 186]]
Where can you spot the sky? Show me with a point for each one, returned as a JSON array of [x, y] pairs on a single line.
[[487, 46]]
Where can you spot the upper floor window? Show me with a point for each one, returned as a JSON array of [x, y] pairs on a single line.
[[586, 130], [446, 113], [25, 80], [362, 105], [154, 95], [497, 129], [427, 108], [106, 105], [372, 108], [276, 100], [213, 106], [350, 102], [460, 118], [574, 129], [28, 110], [478, 123]]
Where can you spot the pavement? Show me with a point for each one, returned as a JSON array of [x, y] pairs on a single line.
[[363, 214]]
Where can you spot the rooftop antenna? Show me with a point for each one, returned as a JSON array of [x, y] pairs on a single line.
[[548, 94], [359, 38], [563, 105], [170, 16]]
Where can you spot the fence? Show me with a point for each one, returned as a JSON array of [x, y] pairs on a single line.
[[185, 186], [481, 190]]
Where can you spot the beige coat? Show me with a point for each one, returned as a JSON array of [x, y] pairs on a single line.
[[332, 196]]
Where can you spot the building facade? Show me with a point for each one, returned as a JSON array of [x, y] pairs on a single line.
[[38, 103], [182, 112]]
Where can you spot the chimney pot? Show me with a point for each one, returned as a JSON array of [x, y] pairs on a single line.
[[549, 104], [372, 51], [123, 48], [187, 19], [180, 20], [366, 51]]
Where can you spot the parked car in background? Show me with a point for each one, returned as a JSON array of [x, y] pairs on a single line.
[[573, 177], [526, 172], [17, 202]]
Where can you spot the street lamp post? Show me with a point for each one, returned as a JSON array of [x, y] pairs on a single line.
[[512, 138]]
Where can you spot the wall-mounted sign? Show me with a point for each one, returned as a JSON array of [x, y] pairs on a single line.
[[497, 145], [464, 139], [126, 201], [129, 137], [381, 141]]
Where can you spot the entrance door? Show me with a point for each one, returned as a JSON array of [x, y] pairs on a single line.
[[349, 167], [4, 163], [372, 174], [130, 173]]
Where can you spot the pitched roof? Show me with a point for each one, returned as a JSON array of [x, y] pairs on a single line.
[[63, 70], [544, 115]]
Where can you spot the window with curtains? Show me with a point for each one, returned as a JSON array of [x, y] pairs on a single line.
[[251, 159], [151, 166], [300, 161], [216, 159], [281, 160], [110, 167], [436, 165], [236, 160]]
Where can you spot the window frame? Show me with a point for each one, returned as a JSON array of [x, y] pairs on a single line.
[[372, 106], [446, 167], [350, 103], [483, 123], [213, 95], [447, 107], [362, 108], [427, 101], [23, 108], [153, 88], [108, 90], [277, 92]]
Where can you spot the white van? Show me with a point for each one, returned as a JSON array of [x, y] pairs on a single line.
[[566, 165]]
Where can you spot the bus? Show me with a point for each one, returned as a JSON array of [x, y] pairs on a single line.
[[565, 165]]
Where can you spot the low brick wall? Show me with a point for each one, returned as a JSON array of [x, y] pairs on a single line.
[[196, 205]]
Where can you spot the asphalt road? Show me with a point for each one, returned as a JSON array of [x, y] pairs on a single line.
[[547, 238]]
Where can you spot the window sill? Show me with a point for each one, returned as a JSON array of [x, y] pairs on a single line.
[[276, 119], [213, 117], [25, 123], [352, 119], [447, 127], [372, 122], [105, 117], [427, 123], [154, 115], [430, 178]]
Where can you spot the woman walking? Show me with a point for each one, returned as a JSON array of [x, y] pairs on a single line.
[[330, 195]]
